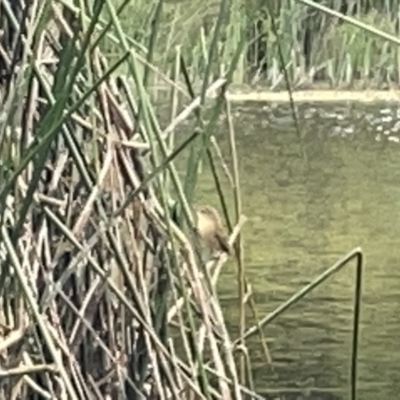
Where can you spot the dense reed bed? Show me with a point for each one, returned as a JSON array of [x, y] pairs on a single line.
[[317, 48], [104, 292]]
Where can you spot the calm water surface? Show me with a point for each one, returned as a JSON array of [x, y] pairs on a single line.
[[308, 203]]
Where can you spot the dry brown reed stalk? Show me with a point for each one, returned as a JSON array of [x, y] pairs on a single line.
[[88, 288]]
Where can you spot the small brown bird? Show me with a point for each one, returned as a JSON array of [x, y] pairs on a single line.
[[210, 229]]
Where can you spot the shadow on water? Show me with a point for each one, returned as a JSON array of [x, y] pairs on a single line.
[[304, 214]]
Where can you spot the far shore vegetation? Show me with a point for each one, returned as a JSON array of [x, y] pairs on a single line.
[[316, 49]]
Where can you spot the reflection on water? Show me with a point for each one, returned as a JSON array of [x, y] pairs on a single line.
[[309, 202]]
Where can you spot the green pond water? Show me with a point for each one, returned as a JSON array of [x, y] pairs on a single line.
[[308, 203]]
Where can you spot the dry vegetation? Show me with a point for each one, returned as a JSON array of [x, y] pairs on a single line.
[[102, 293]]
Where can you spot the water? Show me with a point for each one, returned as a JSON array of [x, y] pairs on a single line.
[[308, 203]]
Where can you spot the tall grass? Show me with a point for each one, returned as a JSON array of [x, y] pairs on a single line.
[[317, 49], [102, 292]]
